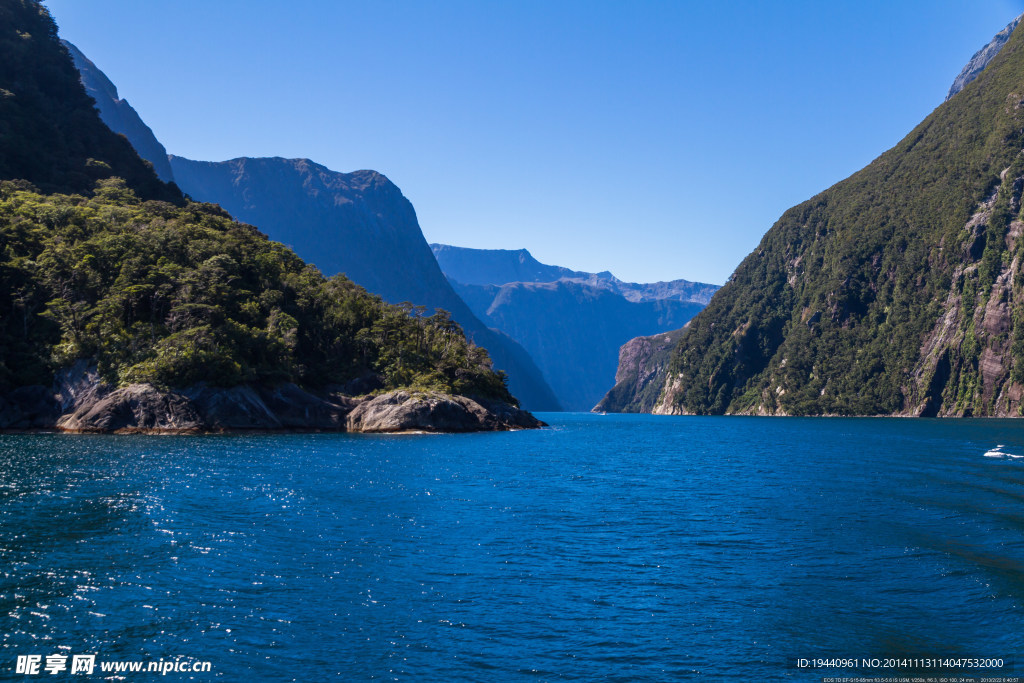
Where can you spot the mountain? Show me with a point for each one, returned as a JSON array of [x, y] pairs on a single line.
[[500, 266], [897, 291], [49, 133], [359, 224], [573, 330], [574, 325], [981, 58], [119, 115], [122, 311], [497, 266], [640, 376]]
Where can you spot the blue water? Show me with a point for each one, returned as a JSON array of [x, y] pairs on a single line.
[[620, 548]]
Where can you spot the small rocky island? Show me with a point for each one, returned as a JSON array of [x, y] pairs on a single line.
[[79, 402]]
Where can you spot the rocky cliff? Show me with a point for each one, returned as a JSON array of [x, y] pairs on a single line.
[[79, 401], [894, 292], [643, 363]]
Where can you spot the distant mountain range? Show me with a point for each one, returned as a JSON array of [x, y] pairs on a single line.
[[356, 223], [501, 266], [572, 324]]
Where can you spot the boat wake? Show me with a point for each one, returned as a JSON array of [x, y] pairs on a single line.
[[997, 452]]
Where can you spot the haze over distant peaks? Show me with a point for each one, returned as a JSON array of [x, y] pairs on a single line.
[[571, 322]]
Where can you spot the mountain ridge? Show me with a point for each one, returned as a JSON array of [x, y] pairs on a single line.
[[470, 266], [982, 57], [48, 134]]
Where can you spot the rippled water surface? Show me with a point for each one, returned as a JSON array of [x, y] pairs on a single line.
[[603, 548]]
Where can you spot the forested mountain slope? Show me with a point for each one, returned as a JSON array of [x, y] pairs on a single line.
[[896, 291]]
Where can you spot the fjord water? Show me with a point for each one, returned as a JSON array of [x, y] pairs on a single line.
[[618, 547]]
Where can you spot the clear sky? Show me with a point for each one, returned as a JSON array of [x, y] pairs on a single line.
[[656, 139]]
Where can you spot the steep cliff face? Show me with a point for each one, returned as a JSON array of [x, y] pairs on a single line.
[[573, 329], [359, 224], [896, 291], [119, 115], [643, 362]]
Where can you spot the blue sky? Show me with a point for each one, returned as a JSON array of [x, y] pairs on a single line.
[[658, 140]]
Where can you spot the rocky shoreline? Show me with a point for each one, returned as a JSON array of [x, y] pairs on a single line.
[[79, 402]]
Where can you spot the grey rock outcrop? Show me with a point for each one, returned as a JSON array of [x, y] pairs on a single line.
[[80, 402], [135, 408], [643, 363], [982, 57], [402, 411]]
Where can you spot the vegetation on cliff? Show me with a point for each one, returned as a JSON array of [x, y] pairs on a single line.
[[838, 309]]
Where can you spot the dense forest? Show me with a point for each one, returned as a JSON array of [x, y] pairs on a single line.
[[177, 295]]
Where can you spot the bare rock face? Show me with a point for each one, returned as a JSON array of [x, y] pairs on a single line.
[[298, 409], [80, 402], [235, 408], [402, 411], [135, 408], [643, 362], [145, 408], [982, 57]]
